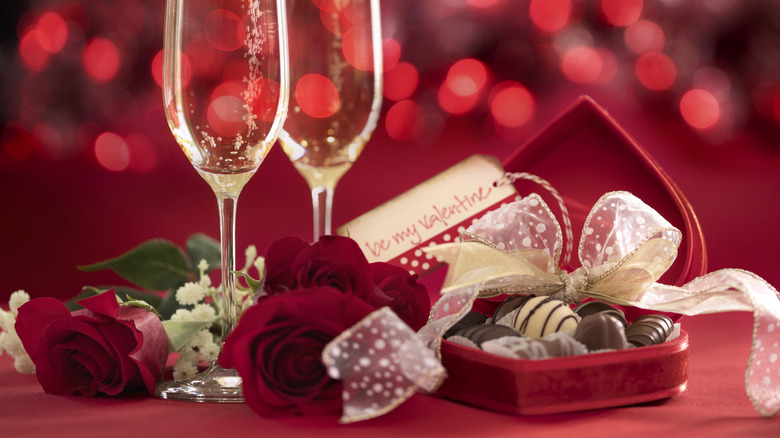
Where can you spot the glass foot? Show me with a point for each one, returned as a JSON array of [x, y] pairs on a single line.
[[215, 385]]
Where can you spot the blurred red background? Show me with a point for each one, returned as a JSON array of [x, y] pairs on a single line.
[[89, 169]]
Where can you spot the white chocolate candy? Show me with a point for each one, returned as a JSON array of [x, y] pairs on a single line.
[[540, 316]]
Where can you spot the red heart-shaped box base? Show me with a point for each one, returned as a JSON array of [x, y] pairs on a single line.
[[584, 153]]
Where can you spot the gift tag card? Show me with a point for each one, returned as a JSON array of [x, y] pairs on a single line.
[[436, 211]]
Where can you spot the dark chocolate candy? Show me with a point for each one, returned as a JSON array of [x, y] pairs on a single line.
[[468, 320], [601, 331], [486, 332], [594, 306], [649, 330]]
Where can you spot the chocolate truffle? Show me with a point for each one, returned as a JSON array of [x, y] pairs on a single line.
[[486, 332], [540, 316], [554, 345], [594, 306], [601, 331], [649, 330], [468, 320], [509, 305]]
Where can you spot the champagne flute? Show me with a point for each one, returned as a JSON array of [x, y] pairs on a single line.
[[336, 81], [225, 92]]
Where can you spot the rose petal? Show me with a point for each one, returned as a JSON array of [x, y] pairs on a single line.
[[102, 304], [32, 319]]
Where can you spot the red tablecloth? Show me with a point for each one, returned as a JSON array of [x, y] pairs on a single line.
[[714, 404], [54, 216]]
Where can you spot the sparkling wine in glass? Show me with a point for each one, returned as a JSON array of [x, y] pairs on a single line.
[[225, 92], [336, 92]]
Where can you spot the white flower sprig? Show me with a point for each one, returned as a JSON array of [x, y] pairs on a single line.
[[9, 340], [203, 345]]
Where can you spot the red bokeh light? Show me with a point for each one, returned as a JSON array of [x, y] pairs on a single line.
[[224, 30], [609, 66], [335, 20], [402, 119], [483, 4], [511, 104], [157, 66], [582, 65], [34, 56], [143, 156], [700, 109], [101, 60], [401, 81], [263, 96], [112, 152], [317, 96], [17, 141], [356, 46], [550, 15], [645, 36], [655, 71], [53, 32], [466, 77], [391, 53], [621, 12], [204, 60], [227, 109], [455, 103]]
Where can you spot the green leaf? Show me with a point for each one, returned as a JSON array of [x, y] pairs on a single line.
[[155, 264], [179, 332], [87, 291], [129, 301], [168, 305], [251, 282], [202, 247]]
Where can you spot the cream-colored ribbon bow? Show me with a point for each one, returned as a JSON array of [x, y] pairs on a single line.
[[624, 249]]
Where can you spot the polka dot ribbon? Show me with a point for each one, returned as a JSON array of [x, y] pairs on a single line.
[[625, 247], [382, 362]]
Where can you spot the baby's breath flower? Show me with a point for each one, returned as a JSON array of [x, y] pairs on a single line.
[[203, 312], [186, 365], [9, 340], [205, 281], [203, 266], [251, 254], [17, 299], [209, 352], [190, 293], [182, 315], [260, 266], [24, 365]]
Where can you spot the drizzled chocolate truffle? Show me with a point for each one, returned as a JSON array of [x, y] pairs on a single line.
[[540, 316], [470, 319], [509, 305], [649, 330], [486, 332], [601, 331], [591, 307]]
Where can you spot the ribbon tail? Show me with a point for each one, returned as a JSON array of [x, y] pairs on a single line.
[[731, 290], [382, 363]]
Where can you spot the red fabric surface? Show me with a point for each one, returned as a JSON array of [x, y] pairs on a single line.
[[56, 215], [714, 404]]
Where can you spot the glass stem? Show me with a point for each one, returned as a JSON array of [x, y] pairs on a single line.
[[322, 204], [227, 227]]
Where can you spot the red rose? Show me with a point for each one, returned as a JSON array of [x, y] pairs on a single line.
[[408, 299], [334, 261], [338, 262], [103, 348], [277, 349]]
